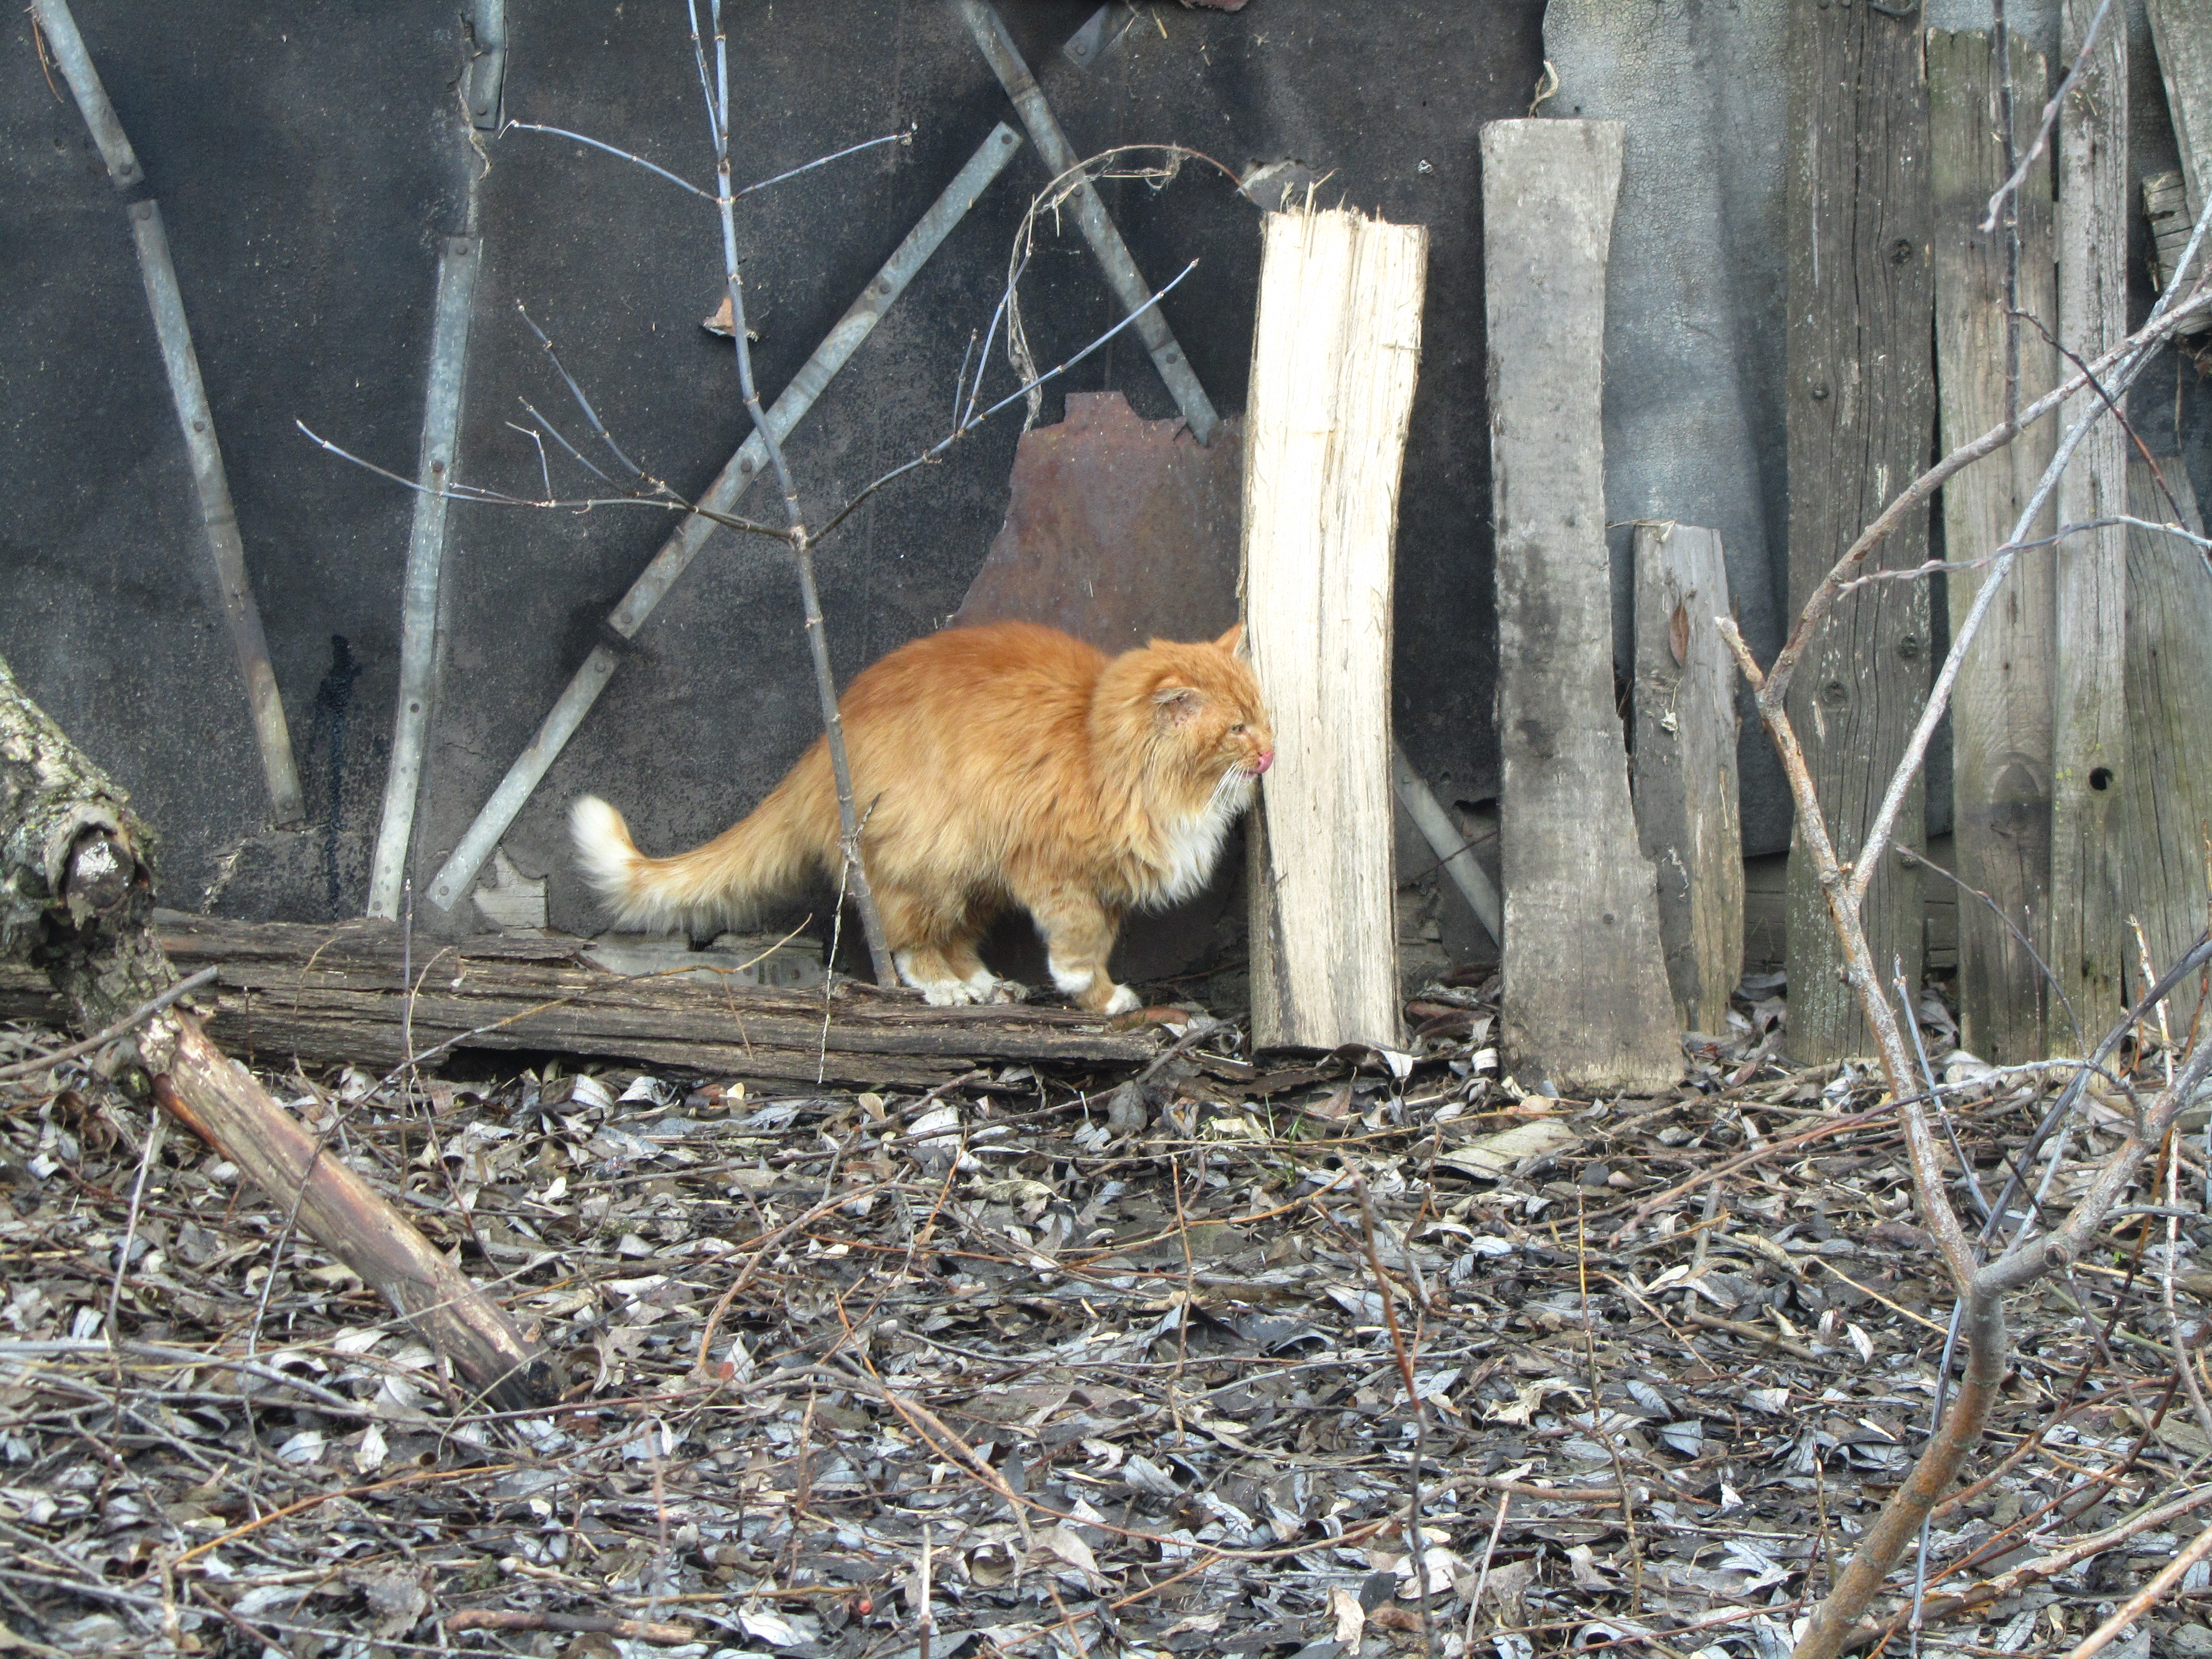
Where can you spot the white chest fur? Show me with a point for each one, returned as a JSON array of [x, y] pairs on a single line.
[[1190, 846]]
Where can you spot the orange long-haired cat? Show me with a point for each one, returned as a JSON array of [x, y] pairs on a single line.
[[1005, 763]]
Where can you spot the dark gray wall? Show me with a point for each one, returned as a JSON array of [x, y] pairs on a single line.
[[308, 167]]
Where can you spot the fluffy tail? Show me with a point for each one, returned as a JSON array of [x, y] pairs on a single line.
[[714, 884]]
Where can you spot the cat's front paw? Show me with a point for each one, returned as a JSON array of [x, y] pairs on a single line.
[[1122, 1001], [945, 993]]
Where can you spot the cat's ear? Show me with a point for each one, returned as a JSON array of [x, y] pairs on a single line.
[[1175, 701], [1233, 640]]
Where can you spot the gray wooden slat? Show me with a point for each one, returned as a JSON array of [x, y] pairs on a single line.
[[1859, 405], [1585, 1001]]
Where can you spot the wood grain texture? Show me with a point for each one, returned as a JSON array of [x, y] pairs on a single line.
[[1585, 1001], [338, 995], [2169, 689], [1683, 773], [2090, 950], [2001, 705], [2181, 35], [1335, 354], [1859, 404]]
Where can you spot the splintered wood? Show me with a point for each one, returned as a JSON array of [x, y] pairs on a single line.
[[1586, 1002], [1684, 775], [2001, 705], [1335, 354]]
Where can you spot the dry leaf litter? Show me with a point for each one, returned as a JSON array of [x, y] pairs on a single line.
[[1093, 1362]]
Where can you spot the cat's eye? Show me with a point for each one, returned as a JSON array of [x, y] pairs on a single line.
[[1237, 730]]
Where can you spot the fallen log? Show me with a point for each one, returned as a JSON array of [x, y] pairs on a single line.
[[76, 891], [340, 995]]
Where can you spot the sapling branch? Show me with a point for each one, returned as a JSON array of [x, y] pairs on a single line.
[[802, 552]]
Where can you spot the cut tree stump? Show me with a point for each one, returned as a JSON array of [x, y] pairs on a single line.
[[2001, 705], [76, 890], [2169, 687], [2091, 952], [1859, 404], [1683, 777], [1586, 1003], [1334, 353]]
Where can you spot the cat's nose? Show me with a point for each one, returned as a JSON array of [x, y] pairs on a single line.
[[1266, 760]]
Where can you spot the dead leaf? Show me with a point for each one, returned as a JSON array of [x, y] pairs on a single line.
[[1678, 633]]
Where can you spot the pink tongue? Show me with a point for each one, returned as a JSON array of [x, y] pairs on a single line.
[[1267, 759]]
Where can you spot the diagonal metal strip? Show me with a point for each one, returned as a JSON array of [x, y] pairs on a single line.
[[1090, 215], [426, 547], [164, 299], [652, 587]]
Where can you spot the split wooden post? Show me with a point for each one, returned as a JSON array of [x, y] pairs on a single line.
[[1585, 997], [2090, 950], [1859, 405], [1683, 775], [1334, 354], [76, 894], [2169, 691], [2001, 705]]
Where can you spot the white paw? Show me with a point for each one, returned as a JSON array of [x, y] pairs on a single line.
[[1122, 1001], [945, 993]]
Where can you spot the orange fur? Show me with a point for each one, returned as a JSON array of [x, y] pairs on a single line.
[[1002, 764]]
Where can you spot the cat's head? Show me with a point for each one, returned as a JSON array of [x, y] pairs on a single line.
[[1193, 709]]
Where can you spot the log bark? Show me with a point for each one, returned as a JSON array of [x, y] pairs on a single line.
[[1683, 773], [2091, 952], [339, 995], [1859, 404], [1334, 354], [1585, 998], [76, 891], [2001, 705]]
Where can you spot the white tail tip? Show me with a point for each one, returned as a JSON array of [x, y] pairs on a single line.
[[604, 849]]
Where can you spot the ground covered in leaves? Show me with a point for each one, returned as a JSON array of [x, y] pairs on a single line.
[[1084, 1364]]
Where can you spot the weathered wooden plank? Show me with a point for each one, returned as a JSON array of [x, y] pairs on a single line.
[[342, 995], [1585, 995], [1683, 773], [1859, 404], [2090, 950], [2169, 688], [2001, 705], [2166, 209], [1334, 354], [2181, 34]]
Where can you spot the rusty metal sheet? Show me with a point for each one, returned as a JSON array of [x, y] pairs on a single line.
[[1119, 530]]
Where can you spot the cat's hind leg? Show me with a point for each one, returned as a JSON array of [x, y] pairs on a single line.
[[932, 944], [1079, 936]]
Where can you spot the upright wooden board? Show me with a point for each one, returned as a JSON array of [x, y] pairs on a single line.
[[1586, 1003], [2091, 952], [1683, 772], [2169, 687], [2001, 707], [1859, 404], [1334, 354], [2181, 34]]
